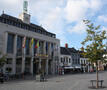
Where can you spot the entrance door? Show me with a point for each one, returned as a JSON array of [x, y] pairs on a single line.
[[35, 66]]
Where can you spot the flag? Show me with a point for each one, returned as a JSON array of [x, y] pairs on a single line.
[[24, 42], [31, 42], [37, 45]]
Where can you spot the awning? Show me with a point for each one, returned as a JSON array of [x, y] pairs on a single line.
[[77, 66], [70, 67]]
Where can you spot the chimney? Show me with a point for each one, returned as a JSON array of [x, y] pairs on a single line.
[[66, 45]]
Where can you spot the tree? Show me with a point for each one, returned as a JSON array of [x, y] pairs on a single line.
[[94, 44], [2, 60]]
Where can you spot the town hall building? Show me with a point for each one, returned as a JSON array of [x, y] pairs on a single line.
[[29, 48]]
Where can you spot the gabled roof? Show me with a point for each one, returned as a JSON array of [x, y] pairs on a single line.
[[64, 51], [67, 51]]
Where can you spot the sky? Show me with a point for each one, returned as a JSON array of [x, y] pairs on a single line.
[[62, 17]]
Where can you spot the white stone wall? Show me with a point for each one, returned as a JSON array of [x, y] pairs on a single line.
[[66, 62], [5, 29]]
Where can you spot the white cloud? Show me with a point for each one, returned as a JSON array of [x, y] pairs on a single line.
[[76, 10], [54, 15], [102, 18], [53, 21], [95, 5], [79, 28], [11, 6]]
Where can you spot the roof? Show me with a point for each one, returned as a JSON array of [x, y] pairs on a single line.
[[67, 51], [7, 19], [64, 51]]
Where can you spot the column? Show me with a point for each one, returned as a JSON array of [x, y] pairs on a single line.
[[47, 67], [44, 47], [5, 40], [5, 48], [49, 51], [23, 59], [32, 58], [23, 63], [14, 58], [54, 63], [31, 69], [39, 65]]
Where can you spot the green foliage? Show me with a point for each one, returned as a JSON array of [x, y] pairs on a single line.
[[94, 42], [2, 60]]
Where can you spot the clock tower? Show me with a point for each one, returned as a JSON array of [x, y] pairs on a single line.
[[24, 16]]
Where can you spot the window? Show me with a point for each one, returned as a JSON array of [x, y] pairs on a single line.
[[64, 59], [19, 61], [81, 61], [10, 43], [9, 61], [47, 45], [69, 60], [19, 45], [8, 69], [61, 60]]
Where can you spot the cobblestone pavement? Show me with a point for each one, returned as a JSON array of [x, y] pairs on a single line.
[[65, 82]]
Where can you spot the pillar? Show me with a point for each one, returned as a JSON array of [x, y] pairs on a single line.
[[5, 48], [23, 64], [49, 50], [44, 47], [54, 62], [23, 59], [39, 65], [14, 58], [31, 69], [32, 58], [47, 67], [14, 66]]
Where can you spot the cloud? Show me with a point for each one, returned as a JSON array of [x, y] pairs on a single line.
[[102, 18], [76, 10], [53, 21], [13, 7], [79, 28], [56, 15]]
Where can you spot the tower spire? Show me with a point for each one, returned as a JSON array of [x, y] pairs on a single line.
[[25, 6], [24, 16]]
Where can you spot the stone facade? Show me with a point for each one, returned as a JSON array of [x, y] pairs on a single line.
[[46, 56]]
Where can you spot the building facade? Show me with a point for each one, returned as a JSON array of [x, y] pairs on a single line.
[[69, 59], [14, 32]]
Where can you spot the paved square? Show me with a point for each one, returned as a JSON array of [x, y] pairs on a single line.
[[65, 82]]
